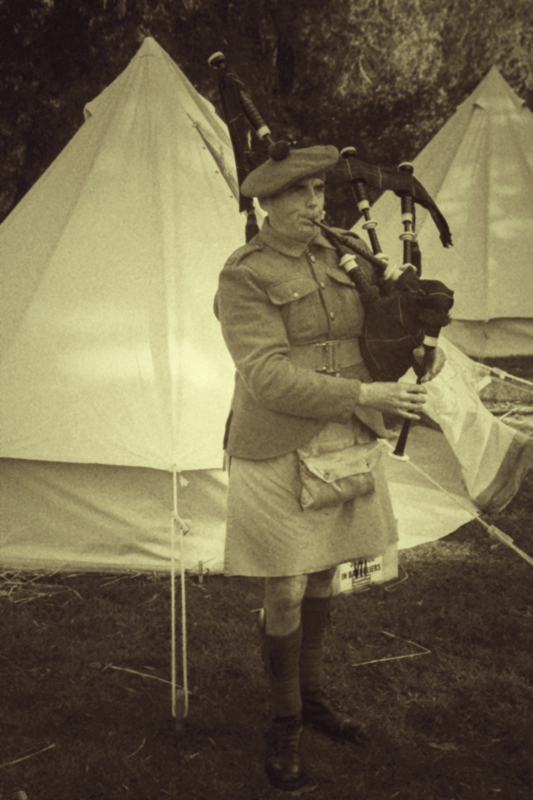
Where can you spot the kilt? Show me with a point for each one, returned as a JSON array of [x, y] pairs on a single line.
[[269, 534]]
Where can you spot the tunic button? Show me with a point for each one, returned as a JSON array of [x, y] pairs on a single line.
[[322, 284], [296, 294], [332, 314]]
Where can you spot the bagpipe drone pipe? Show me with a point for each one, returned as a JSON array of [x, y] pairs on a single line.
[[402, 311]]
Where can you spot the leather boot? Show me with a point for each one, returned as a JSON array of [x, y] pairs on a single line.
[[315, 709], [283, 761]]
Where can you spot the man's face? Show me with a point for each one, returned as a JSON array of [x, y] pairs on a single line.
[[291, 212]]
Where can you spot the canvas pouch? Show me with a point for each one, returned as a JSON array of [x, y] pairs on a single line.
[[335, 477]]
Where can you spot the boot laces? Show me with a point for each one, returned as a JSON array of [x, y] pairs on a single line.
[[285, 734]]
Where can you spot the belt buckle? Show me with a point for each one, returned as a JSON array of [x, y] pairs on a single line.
[[328, 359]]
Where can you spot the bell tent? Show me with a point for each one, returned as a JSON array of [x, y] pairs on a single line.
[[114, 372], [115, 379], [479, 170]]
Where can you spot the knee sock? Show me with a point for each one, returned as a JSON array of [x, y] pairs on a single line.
[[315, 614], [281, 656]]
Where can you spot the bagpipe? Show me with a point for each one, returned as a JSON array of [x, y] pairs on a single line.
[[402, 311], [241, 116]]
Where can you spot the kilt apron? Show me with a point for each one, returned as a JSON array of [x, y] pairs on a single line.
[[269, 534]]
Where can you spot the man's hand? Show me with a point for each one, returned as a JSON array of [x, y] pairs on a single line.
[[402, 399], [437, 360]]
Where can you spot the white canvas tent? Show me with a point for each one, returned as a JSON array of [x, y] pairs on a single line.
[[111, 354], [114, 374], [479, 170]]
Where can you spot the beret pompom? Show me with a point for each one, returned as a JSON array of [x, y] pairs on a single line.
[[279, 150]]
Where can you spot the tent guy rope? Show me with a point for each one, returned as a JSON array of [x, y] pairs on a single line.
[[491, 529], [506, 376]]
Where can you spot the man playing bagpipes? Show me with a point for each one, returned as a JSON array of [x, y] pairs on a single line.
[[302, 310], [307, 489]]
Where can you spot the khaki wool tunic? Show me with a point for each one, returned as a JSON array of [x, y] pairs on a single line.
[[275, 296]]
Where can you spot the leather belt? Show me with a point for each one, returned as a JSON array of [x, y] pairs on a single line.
[[328, 357]]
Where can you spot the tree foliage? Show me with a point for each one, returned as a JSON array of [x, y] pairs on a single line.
[[382, 75]]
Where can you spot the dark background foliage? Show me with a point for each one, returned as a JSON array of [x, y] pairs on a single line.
[[383, 75]]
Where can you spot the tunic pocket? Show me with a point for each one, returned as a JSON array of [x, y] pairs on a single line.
[[299, 303]]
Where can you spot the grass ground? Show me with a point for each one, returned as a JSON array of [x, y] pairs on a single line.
[[455, 723]]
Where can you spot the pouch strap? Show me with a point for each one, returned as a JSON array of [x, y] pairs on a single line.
[[328, 357]]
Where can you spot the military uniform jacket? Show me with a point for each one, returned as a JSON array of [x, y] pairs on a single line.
[[276, 294]]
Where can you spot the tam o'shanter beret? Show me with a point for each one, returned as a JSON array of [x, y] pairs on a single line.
[[285, 167]]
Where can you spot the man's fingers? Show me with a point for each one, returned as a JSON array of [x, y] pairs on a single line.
[[413, 388], [416, 398], [414, 393], [409, 404], [408, 415]]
